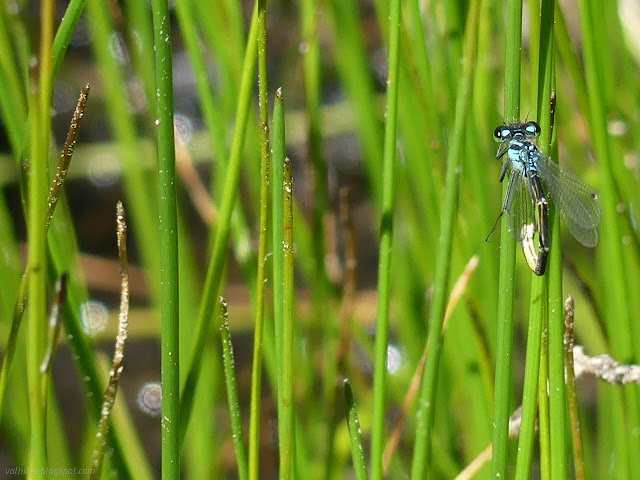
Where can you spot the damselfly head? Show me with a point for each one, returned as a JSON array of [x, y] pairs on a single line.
[[505, 133]]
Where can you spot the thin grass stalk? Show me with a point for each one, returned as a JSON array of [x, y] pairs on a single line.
[[126, 465], [532, 373], [169, 293], [118, 354], [426, 409], [355, 433], [265, 151], [506, 274], [217, 259], [572, 391], [54, 194], [210, 104], [54, 323], [53, 332], [72, 14], [232, 392], [386, 241], [139, 42], [320, 286], [557, 389], [279, 152], [143, 204], [543, 407], [345, 341], [570, 61], [353, 64], [60, 43], [12, 94], [611, 259], [287, 452], [40, 101], [456, 292]]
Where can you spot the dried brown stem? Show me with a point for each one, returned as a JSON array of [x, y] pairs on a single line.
[[195, 188], [572, 394], [350, 280], [118, 355], [67, 153]]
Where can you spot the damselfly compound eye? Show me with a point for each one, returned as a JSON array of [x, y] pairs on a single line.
[[532, 129], [502, 133]]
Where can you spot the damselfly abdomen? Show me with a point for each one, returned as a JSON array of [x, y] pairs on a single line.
[[535, 179]]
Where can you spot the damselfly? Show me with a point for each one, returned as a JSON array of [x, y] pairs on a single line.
[[526, 201]]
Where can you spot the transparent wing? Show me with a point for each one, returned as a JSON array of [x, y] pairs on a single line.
[[574, 199], [519, 211]]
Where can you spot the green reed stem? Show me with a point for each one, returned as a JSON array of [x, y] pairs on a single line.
[[386, 241], [40, 101], [537, 316], [543, 407], [218, 254], [265, 151], [277, 180], [355, 434], [506, 275], [426, 409], [286, 433], [168, 218], [232, 392], [612, 262], [572, 391]]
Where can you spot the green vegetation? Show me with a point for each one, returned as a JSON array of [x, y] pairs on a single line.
[[376, 334]]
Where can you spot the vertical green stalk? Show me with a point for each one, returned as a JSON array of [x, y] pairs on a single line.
[[320, 286], [277, 207], [232, 391], [256, 372], [506, 280], [426, 409], [72, 14], [543, 407], [40, 101], [611, 259], [537, 313], [572, 391], [287, 460], [11, 91], [36, 301], [386, 240], [218, 253], [355, 434], [557, 388], [143, 209], [169, 293]]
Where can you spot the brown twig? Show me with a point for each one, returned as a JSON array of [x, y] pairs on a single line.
[[572, 394], [67, 153], [118, 355], [350, 280], [195, 188]]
